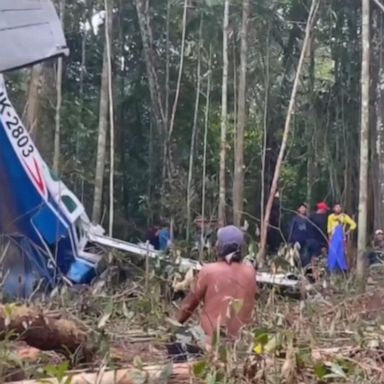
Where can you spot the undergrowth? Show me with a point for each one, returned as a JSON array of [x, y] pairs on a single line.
[[334, 335]]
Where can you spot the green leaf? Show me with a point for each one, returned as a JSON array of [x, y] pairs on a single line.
[[58, 371], [199, 369], [321, 370], [262, 336]]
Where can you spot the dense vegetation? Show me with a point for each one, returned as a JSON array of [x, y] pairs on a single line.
[[166, 60]]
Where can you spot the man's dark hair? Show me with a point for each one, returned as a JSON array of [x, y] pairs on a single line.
[[231, 248]]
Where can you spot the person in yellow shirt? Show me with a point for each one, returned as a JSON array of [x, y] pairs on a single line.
[[338, 217], [339, 227]]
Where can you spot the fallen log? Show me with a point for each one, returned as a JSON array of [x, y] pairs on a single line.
[[40, 330], [172, 374]]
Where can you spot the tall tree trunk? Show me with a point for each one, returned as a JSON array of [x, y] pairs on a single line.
[[31, 116], [159, 113], [378, 135], [194, 130], [168, 146], [206, 124], [167, 65], [224, 120], [80, 129], [102, 135], [364, 142], [265, 127], [108, 38], [150, 63], [287, 129], [238, 183], [59, 95], [311, 127]]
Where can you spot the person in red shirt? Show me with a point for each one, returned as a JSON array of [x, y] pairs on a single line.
[[227, 289]]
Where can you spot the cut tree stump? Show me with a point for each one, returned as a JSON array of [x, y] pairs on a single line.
[[40, 330], [172, 374]]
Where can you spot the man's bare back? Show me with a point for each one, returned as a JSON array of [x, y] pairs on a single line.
[[228, 292]]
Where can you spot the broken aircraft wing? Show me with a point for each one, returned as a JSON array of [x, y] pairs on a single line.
[[30, 32]]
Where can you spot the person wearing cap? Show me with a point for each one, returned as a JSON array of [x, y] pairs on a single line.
[[318, 229], [227, 288]]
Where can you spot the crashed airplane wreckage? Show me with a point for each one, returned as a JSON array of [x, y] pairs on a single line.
[[46, 234]]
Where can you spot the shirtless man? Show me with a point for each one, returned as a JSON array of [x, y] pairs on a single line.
[[227, 289]]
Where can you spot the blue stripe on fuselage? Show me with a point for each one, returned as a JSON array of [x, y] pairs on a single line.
[[20, 200]]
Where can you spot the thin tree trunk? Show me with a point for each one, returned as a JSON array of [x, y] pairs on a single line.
[[311, 126], [180, 75], [167, 148], [224, 120], [380, 5], [167, 64], [206, 125], [160, 114], [194, 130], [235, 99], [150, 174], [364, 142], [238, 183], [81, 92], [59, 94], [154, 87], [33, 100], [265, 129], [378, 136], [167, 97], [108, 37], [102, 137], [287, 128]]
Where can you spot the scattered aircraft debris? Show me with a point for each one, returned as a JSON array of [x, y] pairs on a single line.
[[47, 236]]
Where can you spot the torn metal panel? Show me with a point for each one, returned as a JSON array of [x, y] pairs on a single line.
[[185, 264], [30, 32]]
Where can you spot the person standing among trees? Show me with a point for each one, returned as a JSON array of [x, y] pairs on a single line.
[[165, 239], [337, 218], [340, 225], [299, 232]]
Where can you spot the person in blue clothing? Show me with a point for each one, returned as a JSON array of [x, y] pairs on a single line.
[[299, 232], [165, 239]]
